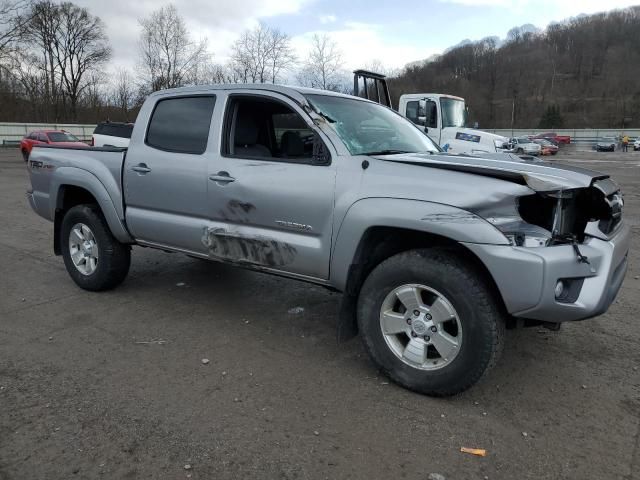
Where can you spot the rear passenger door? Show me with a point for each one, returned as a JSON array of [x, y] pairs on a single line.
[[165, 173]]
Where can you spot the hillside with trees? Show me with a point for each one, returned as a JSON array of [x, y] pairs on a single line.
[[55, 67], [581, 73]]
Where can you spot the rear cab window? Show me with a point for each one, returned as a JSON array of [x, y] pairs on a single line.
[[181, 124]]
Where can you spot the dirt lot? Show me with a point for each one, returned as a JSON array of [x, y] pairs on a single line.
[[111, 385]]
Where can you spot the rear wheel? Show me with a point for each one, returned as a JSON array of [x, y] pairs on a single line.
[[430, 322], [94, 259]]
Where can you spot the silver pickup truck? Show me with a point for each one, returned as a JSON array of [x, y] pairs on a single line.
[[436, 254]]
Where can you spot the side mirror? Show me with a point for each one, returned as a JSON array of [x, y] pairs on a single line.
[[321, 155]]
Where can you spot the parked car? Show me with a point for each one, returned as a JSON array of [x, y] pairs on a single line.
[[606, 144], [112, 134], [522, 145], [547, 147], [48, 137], [554, 137], [435, 253], [636, 144]]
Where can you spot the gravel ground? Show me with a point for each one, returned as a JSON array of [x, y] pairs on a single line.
[[112, 385]]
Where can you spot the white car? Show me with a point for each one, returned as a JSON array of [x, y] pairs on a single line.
[[523, 145], [636, 144], [112, 134]]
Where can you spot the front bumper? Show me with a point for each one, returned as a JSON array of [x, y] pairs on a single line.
[[527, 277]]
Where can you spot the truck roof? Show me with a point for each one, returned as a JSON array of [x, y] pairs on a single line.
[[297, 93]]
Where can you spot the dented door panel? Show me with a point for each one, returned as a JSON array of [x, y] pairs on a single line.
[[271, 213]]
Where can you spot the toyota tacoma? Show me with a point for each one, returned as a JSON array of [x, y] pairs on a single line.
[[436, 254]]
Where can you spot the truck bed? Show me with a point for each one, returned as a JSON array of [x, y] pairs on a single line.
[[50, 166]]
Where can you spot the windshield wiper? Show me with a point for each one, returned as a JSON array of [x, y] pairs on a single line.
[[386, 152], [325, 116]]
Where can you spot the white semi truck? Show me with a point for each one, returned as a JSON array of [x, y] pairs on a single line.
[[443, 117]]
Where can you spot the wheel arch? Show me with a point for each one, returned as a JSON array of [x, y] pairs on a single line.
[[357, 253], [74, 187]]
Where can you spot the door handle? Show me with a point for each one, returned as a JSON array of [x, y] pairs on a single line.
[[141, 168], [222, 177]]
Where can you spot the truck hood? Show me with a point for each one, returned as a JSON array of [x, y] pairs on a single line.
[[538, 175]]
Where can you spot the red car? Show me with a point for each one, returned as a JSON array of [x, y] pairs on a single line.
[[554, 137], [48, 137]]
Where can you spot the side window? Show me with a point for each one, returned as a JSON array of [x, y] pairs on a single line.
[[99, 129], [431, 114], [42, 137], [125, 131], [32, 136], [289, 128], [415, 113], [261, 127], [181, 124]]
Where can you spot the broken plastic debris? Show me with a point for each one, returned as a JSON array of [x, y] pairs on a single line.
[[180, 284], [154, 342], [205, 361], [480, 452], [296, 310], [187, 467]]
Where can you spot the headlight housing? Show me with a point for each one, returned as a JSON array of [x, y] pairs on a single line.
[[520, 233]]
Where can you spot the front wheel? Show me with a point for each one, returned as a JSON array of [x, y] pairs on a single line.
[[430, 322], [94, 259]]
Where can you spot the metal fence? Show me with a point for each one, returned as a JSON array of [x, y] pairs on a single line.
[[583, 136], [12, 133]]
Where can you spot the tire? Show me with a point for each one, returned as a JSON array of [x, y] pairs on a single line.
[[478, 313], [520, 151], [113, 258], [25, 155]]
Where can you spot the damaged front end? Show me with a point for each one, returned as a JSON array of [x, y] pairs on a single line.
[[554, 215], [568, 253]]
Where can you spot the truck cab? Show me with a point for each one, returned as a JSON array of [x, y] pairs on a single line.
[[444, 119]]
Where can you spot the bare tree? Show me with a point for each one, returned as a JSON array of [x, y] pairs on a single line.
[[260, 55], [41, 31], [168, 56], [81, 46], [323, 67], [12, 22], [124, 94]]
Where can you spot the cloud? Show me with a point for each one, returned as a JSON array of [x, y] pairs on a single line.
[[552, 6], [327, 19], [364, 43], [220, 21]]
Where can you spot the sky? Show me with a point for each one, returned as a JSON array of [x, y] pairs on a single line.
[[393, 32]]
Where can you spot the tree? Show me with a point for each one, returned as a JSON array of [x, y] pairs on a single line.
[[551, 118], [11, 25], [323, 67], [81, 47], [260, 55], [124, 94], [40, 35], [168, 56]]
